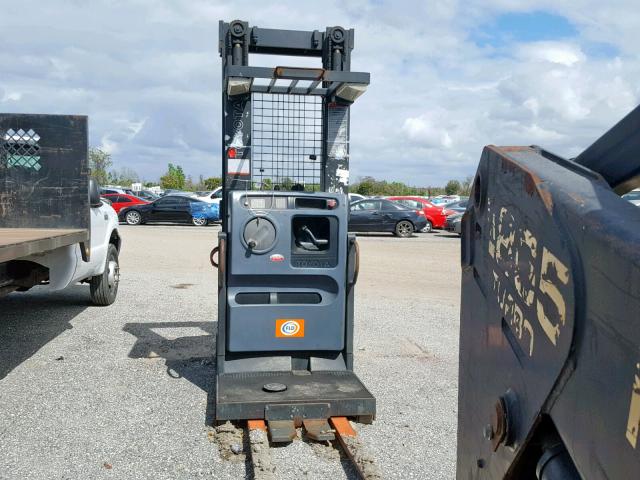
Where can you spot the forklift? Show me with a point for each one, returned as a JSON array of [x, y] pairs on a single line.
[[287, 266]]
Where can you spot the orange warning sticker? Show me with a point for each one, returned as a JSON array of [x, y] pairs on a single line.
[[290, 327]]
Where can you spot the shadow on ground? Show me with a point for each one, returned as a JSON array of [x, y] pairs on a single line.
[[447, 235], [191, 356], [30, 320]]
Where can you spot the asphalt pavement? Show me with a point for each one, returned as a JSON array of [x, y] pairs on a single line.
[[125, 392]]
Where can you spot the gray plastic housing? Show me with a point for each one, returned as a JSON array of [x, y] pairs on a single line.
[[290, 268]]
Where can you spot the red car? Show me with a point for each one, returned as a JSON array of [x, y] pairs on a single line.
[[122, 200], [436, 216]]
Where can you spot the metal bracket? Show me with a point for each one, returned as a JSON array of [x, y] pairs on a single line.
[[281, 431], [318, 430]]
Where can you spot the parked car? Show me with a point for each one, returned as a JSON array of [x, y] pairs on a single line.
[[214, 196], [147, 195], [442, 200], [171, 208], [111, 190], [633, 196], [457, 207], [172, 191], [381, 215], [355, 196], [454, 223], [122, 200], [435, 215]]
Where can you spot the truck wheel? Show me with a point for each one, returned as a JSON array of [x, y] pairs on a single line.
[[199, 221], [104, 287], [133, 218], [404, 229]]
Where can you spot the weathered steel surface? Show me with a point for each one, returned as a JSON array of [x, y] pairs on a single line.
[[550, 319], [44, 174], [20, 242], [317, 395]]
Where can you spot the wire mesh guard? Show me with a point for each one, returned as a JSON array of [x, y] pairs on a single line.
[[286, 142], [20, 148]]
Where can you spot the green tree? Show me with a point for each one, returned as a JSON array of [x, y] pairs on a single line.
[[267, 184], [188, 184], [452, 187], [366, 186], [286, 184], [125, 176], [212, 183], [466, 186], [99, 164], [174, 178]]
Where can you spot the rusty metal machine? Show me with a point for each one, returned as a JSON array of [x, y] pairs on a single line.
[[550, 318], [287, 266]]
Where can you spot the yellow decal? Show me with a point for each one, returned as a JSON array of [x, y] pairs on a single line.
[[633, 423], [513, 313], [515, 251], [504, 243], [551, 264], [526, 289]]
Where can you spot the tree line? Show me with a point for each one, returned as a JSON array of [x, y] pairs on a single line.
[[100, 164], [370, 186], [174, 178]]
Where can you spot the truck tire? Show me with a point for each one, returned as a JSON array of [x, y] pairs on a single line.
[[104, 287]]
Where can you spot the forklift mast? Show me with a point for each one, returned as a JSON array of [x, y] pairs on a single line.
[[287, 126], [549, 381], [287, 266]]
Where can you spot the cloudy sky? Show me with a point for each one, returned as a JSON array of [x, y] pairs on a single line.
[[447, 77]]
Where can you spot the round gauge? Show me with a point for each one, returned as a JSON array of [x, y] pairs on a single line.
[[259, 234]]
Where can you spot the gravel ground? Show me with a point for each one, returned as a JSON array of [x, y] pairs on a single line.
[[124, 391]]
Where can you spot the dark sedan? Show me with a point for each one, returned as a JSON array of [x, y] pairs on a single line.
[[171, 208], [454, 223], [380, 215]]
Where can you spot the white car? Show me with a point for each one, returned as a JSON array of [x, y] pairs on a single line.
[[442, 200], [633, 196], [355, 196], [214, 196]]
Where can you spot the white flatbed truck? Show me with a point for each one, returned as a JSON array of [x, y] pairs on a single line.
[[55, 231]]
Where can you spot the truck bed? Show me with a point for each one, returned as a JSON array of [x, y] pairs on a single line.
[[20, 242]]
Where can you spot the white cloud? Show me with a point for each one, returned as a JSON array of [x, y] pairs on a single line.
[[424, 131], [551, 52], [11, 97], [148, 74]]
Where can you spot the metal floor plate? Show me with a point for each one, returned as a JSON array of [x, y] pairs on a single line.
[[241, 396]]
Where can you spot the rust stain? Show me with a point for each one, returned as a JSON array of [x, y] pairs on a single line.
[[578, 198], [282, 71], [514, 149], [531, 182]]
